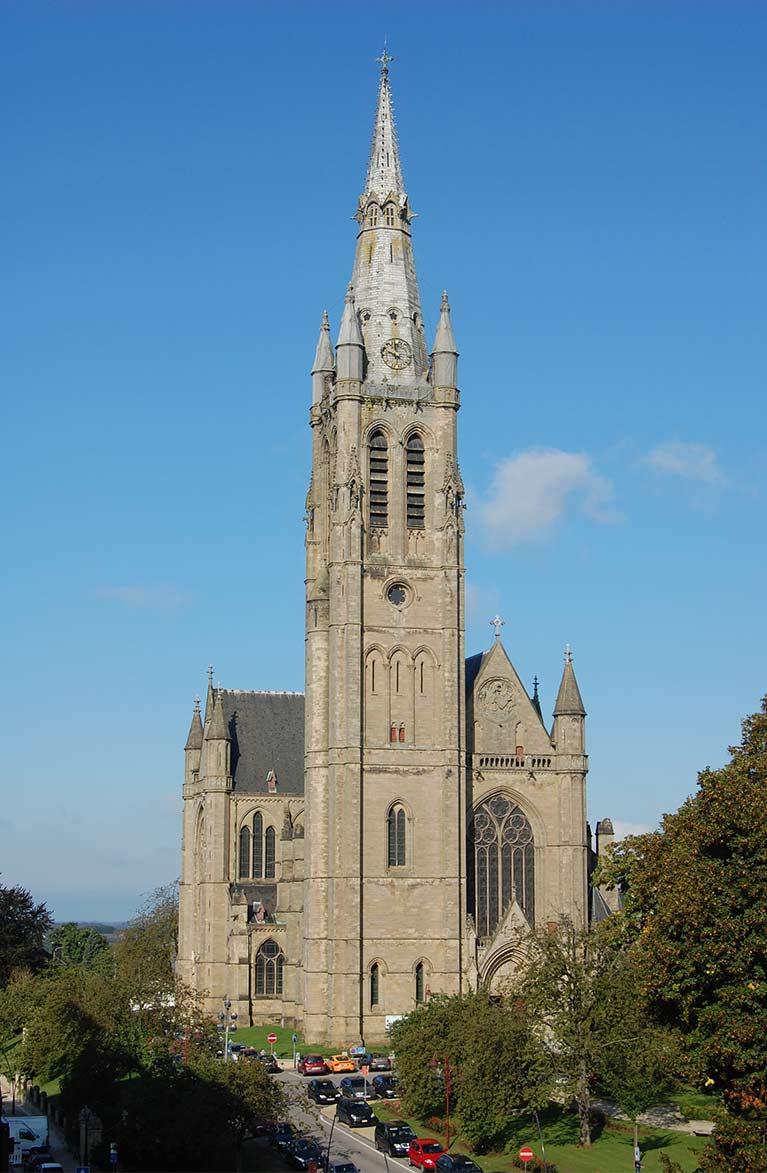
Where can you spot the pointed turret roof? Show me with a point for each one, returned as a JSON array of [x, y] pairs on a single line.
[[444, 339], [194, 740], [217, 728], [384, 174], [323, 356], [349, 333], [569, 696]]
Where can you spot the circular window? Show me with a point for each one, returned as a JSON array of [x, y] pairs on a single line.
[[397, 594]]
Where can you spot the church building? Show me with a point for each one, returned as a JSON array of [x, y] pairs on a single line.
[[350, 851]]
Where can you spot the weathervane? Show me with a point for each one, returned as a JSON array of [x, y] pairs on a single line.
[[497, 623]]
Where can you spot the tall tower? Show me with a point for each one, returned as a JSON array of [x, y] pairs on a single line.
[[384, 770]]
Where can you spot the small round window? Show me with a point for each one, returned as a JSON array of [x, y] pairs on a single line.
[[397, 594]]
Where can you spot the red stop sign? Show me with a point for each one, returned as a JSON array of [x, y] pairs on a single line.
[[526, 1154], [271, 1038]]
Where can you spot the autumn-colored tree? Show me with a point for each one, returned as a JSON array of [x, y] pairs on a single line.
[[696, 892]]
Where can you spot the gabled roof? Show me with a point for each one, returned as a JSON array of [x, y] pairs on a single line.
[[267, 732]]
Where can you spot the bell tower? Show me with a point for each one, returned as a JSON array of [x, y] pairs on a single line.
[[384, 894]]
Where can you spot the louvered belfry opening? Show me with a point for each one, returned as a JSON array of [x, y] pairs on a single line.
[[416, 483], [379, 481]]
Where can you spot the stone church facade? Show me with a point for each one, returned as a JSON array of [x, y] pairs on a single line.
[[350, 852]]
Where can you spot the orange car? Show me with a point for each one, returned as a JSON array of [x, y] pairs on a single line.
[[338, 1063]]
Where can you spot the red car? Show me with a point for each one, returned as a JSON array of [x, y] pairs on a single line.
[[312, 1065], [423, 1153]]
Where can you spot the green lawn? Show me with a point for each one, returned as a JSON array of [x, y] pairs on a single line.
[[611, 1152], [255, 1036]]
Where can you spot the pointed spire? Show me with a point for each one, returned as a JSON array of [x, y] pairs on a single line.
[[350, 333], [217, 730], [384, 174], [209, 698], [323, 356], [194, 740], [536, 699], [569, 697], [444, 339]]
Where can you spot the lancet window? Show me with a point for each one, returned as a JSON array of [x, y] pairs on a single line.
[[420, 989], [258, 846], [416, 483], [375, 980], [396, 837], [243, 863], [269, 853], [379, 481], [504, 862]]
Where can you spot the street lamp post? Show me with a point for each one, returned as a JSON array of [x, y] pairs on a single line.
[[330, 1139], [85, 1119], [447, 1078], [227, 1022]]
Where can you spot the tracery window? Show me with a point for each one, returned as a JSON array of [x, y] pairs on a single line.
[[416, 483], [258, 846], [379, 481], [504, 862], [419, 982], [270, 964], [374, 983], [396, 832], [269, 853], [243, 864]]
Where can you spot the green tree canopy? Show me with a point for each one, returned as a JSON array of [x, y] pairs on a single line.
[[73, 944], [23, 925]]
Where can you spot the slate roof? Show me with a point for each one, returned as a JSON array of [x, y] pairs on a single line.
[[569, 696], [473, 665], [267, 732]]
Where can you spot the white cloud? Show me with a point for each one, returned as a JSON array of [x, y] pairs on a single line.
[[623, 829], [693, 462], [162, 598], [531, 491]]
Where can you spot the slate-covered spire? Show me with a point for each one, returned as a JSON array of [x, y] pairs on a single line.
[[569, 697], [194, 740], [350, 349], [324, 363], [384, 175], [384, 278]]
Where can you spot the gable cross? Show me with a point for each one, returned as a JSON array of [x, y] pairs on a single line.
[[497, 623]]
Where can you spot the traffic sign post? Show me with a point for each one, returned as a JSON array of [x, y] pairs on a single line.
[[294, 1040], [271, 1040], [526, 1154]]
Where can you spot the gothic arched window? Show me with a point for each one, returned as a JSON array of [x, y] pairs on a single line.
[[416, 483], [419, 982], [269, 853], [243, 865], [379, 481], [372, 215], [375, 975], [389, 212], [504, 862], [396, 831], [269, 966], [258, 846]]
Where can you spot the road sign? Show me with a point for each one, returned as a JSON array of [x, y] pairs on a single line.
[[294, 1038], [526, 1154], [365, 1069], [271, 1038], [83, 1169]]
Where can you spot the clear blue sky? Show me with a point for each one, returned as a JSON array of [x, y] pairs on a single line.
[[178, 185]]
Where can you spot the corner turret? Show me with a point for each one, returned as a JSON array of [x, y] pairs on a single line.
[[569, 713], [323, 365], [350, 349], [444, 366], [217, 742], [193, 747]]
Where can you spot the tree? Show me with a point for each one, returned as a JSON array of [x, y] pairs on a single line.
[[145, 953], [695, 898], [23, 925], [73, 944]]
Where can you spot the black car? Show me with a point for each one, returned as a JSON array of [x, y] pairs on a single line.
[[322, 1091], [354, 1114], [303, 1151], [393, 1137], [385, 1087], [283, 1134], [380, 1063], [341, 1167], [357, 1087], [456, 1163]]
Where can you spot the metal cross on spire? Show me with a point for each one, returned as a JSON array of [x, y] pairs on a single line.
[[385, 59], [568, 654], [497, 623]]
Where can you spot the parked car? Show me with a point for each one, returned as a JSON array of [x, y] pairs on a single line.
[[323, 1091], [385, 1087], [356, 1087], [456, 1163], [354, 1114], [338, 1063], [393, 1137], [423, 1152], [305, 1151], [312, 1065], [342, 1167], [380, 1063], [270, 1064], [283, 1134]]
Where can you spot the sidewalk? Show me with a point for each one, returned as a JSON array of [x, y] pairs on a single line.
[[58, 1149]]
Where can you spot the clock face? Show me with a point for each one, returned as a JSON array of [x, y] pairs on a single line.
[[396, 353]]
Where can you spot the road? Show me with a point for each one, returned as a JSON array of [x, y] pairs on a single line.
[[350, 1144]]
